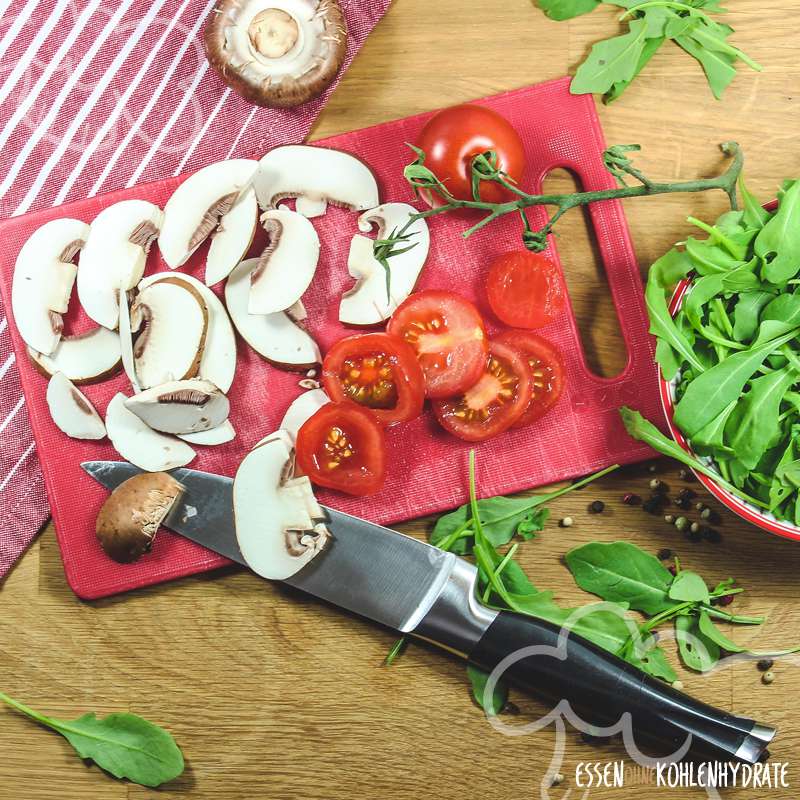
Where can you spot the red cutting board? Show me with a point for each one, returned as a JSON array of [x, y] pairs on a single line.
[[427, 467]]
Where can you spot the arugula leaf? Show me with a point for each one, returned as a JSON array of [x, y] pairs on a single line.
[[622, 573], [696, 649], [650, 658], [778, 243], [478, 680], [746, 313], [689, 586], [650, 48], [712, 632], [718, 66], [566, 9], [610, 61], [755, 215], [124, 745]]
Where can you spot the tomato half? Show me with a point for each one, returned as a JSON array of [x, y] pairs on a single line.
[[494, 403], [452, 138], [525, 289], [447, 334], [342, 447], [377, 371], [546, 368]]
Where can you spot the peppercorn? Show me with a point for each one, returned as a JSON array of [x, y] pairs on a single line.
[[694, 536], [682, 503], [651, 467], [768, 677], [652, 505], [565, 522], [669, 519], [686, 494], [677, 685], [631, 499], [596, 507], [711, 535], [684, 474], [681, 523], [558, 779], [765, 664], [700, 506], [696, 527], [725, 600], [671, 569], [658, 486], [664, 553], [709, 515]]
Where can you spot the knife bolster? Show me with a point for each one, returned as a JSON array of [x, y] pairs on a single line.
[[457, 620]]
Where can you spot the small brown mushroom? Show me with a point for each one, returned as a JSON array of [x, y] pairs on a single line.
[[277, 53], [131, 515]]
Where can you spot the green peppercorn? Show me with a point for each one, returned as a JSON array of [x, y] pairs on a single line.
[[681, 523]]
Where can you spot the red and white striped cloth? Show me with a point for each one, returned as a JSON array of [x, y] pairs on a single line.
[[97, 95]]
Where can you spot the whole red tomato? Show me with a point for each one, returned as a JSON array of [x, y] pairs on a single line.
[[452, 138]]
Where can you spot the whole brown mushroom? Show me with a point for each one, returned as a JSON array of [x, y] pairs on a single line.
[[277, 53], [132, 513]]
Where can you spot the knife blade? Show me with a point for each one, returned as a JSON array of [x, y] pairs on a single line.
[[378, 573], [415, 588]]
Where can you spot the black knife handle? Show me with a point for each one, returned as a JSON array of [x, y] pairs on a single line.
[[600, 687]]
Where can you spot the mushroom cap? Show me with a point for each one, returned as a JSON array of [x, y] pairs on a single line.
[[277, 53], [130, 517]]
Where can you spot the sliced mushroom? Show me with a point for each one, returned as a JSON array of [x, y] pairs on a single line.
[[278, 520], [173, 320], [368, 302], [218, 363], [126, 341], [288, 263], [220, 435], [277, 53], [274, 336], [83, 358], [115, 255], [217, 201], [71, 410], [131, 515], [43, 279], [316, 176], [138, 443], [189, 406], [301, 409]]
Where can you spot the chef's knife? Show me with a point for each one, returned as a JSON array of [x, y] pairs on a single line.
[[418, 589]]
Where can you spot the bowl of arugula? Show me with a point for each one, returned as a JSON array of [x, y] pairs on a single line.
[[725, 311]]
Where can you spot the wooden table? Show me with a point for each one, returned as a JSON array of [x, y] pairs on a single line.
[[274, 696]]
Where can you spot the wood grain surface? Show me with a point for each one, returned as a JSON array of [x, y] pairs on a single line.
[[272, 695]]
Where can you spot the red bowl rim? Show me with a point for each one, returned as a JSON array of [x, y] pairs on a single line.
[[731, 501]]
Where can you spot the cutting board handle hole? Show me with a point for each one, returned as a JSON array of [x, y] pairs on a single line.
[[581, 259]]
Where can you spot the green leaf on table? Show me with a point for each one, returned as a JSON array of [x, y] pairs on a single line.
[[712, 632], [689, 586], [499, 697], [650, 48], [717, 66], [650, 658], [778, 242], [610, 61], [124, 745], [620, 572], [697, 651], [567, 9]]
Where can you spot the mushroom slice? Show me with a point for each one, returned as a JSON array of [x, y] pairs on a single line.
[[138, 443], [71, 410], [187, 406], [218, 198], [43, 279], [213, 436], [287, 265], [83, 358], [174, 321], [274, 336], [316, 176], [368, 303], [279, 524], [277, 53], [132, 513], [115, 255], [126, 341], [301, 409], [218, 362]]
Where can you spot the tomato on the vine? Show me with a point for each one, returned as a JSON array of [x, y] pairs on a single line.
[[342, 447], [546, 368], [447, 334], [494, 403], [525, 289], [379, 372], [453, 137]]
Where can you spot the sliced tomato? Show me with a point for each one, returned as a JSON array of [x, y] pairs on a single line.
[[377, 371], [342, 447], [525, 290], [452, 138], [447, 333], [546, 368], [494, 403]]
